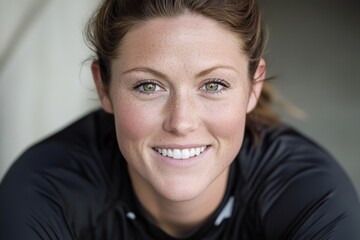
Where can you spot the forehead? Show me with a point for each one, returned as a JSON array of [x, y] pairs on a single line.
[[188, 36]]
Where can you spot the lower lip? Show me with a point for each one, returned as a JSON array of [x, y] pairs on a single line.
[[180, 163]]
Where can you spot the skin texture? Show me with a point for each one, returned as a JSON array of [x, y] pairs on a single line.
[[183, 106]]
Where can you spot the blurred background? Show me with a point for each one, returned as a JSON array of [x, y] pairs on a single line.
[[313, 51]]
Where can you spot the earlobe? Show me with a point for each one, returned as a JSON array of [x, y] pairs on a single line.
[[256, 85], [101, 88]]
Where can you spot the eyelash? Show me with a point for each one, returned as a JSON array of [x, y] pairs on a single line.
[[219, 81], [141, 83]]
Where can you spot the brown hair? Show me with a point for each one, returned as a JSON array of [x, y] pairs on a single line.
[[115, 18]]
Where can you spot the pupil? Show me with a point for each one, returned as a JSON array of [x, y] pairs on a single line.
[[212, 86]]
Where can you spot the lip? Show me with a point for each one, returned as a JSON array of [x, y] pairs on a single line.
[[180, 146]]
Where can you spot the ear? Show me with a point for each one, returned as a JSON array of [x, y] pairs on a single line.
[[102, 90], [256, 85]]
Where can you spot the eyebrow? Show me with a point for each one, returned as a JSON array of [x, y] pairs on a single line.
[[209, 70], [147, 70], [164, 76]]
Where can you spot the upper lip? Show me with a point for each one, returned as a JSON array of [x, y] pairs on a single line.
[[180, 146]]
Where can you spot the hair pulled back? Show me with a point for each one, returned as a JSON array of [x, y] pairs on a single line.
[[115, 18]]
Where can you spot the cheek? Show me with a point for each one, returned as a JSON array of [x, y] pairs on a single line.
[[231, 132], [227, 124], [132, 122], [228, 119], [134, 125]]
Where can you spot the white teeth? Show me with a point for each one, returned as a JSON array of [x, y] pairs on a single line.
[[197, 151], [163, 151], [176, 154], [169, 153], [192, 152], [185, 153], [181, 153]]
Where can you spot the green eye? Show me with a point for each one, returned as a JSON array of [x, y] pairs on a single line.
[[211, 87], [149, 87], [215, 85]]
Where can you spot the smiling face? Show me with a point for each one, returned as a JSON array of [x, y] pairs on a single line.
[[179, 93]]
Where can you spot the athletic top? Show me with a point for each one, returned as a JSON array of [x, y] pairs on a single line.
[[75, 185]]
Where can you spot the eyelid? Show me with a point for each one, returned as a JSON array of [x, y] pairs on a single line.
[[217, 80], [144, 81]]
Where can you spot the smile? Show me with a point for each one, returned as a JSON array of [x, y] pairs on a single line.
[[181, 153]]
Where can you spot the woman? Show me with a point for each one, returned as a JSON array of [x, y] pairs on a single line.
[[186, 146]]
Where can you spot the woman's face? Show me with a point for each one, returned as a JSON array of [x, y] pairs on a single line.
[[179, 93]]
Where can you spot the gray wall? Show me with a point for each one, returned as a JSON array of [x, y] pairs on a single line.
[[314, 50], [44, 84]]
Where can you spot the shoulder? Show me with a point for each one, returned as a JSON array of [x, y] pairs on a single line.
[[66, 180], [283, 152], [283, 147], [291, 178], [85, 148]]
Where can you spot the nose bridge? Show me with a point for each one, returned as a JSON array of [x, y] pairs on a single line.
[[181, 113]]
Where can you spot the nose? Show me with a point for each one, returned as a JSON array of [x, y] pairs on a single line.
[[181, 115]]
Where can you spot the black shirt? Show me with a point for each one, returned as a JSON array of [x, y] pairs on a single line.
[[75, 185]]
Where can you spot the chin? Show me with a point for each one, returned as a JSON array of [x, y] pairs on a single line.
[[180, 195], [181, 191]]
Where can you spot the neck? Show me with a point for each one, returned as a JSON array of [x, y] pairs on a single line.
[[179, 218]]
